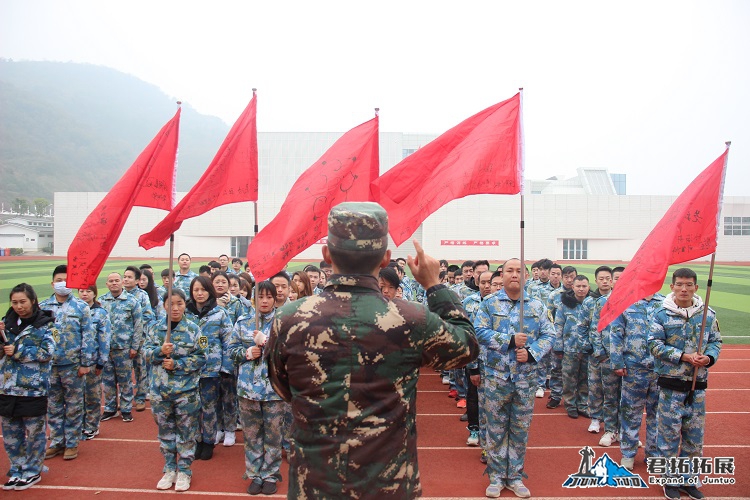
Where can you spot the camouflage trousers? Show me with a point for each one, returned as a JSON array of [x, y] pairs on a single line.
[[604, 394], [286, 427], [680, 427], [482, 403], [92, 401], [227, 408], [459, 378], [639, 390], [542, 369], [141, 369], [208, 422], [575, 380], [262, 427], [65, 406], [25, 442], [508, 411], [555, 376], [177, 420], [118, 374]]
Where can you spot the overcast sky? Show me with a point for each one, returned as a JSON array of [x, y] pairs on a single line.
[[652, 89]]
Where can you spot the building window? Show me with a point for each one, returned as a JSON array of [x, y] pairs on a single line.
[[239, 246], [575, 249], [407, 152], [736, 226]]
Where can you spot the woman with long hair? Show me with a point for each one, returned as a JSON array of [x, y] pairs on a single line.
[[28, 347], [215, 327], [174, 385], [92, 383], [303, 284], [147, 284]]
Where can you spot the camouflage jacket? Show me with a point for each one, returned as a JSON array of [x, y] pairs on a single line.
[[542, 291], [572, 327], [497, 320], [600, 341], [217, 328], [103, 329], [26, 372], [147, 312], [252, 381], [554, 301], [348, 361], [671, 335], [235, 309], [189, 358], [471, 306], [629, 335], [125, 318], [74, 332], [182, 281]]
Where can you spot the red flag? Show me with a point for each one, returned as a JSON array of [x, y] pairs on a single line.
[[343, 173], [481, 155], [231, 177], [149, 182], [687, 231]]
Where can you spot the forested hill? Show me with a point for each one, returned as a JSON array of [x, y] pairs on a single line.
[[78, 127]]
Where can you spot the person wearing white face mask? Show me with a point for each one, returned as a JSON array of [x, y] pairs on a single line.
[[75, 351]]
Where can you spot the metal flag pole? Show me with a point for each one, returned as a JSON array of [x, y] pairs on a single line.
[[709, 284], [255, 235], [523, 262], [168, 302]]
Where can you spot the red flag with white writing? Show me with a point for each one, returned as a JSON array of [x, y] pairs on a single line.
[[343, 173], [149, 182], [231, 177], [481, 155], [687, 231]]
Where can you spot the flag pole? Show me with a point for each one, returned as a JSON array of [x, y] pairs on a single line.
[[255, 235], [168, 302], [523, 262], [709, 284]]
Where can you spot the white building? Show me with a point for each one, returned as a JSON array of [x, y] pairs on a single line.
[[582, 218], [28, 232]]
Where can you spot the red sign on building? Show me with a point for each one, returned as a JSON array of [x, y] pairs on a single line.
[[470, 243]]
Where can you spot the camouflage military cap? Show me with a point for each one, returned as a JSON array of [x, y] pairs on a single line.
[[358, 226]]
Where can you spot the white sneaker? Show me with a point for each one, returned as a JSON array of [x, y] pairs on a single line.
[[519, 489], [494, 490], [167, 480], [594, 426], [607, 439], [446, 380], [628, 463], [229, 439], [539, 392], [219, 437], [640, 444], [183, 482]]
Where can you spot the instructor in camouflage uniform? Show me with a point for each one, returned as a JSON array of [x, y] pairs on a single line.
[[348, 361]]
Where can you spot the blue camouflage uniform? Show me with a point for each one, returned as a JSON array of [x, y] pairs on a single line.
[[542, 291], [509, 385], [554, 302], [572, 339], [175, 401], [629, 350], [215, 325], [471, 305], [604, 384], [674, 332], [127, 333], [140, 367], [227, 408], [182, 281], [75, 347], [261, 409], [92, 394], [23, 376]]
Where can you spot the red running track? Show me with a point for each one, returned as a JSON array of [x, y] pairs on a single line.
[[124, 460]]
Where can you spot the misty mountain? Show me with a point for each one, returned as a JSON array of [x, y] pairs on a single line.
[[78, 127]]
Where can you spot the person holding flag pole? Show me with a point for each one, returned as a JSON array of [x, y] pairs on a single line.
[[683, 346]]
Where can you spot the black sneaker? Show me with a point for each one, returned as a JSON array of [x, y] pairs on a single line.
[[464, 417], [692, 492], [27, 483], [584, 413], [255, 488], [199, 450], [108, 415], [127, 416], [269, 488], [572, 413], [671, 492], [553, 403], [207, 452], [11, 484]]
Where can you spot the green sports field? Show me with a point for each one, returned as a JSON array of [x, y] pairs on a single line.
[[730, 295]]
